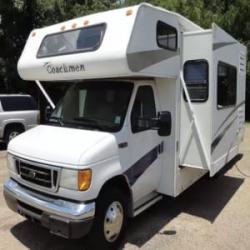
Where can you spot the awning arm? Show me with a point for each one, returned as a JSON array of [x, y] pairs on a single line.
[[51, 103]]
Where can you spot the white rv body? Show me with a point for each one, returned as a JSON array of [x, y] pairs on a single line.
[[204, 137]]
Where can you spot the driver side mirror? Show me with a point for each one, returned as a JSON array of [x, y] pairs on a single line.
[[164, 123]]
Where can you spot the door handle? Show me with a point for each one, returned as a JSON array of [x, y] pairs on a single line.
[[123, 145], [161, 148]]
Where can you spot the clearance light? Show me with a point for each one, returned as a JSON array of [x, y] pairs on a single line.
[[63, 28], [86, 22], [84, 179], [33, 34], [129, 12], [74, 25]]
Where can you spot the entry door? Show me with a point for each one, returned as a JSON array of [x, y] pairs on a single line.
[[145, 144]]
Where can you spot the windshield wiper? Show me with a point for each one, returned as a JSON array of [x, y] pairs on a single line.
[[56, 119], [73, 123], [81, 122], [87, 120], [91, 123]]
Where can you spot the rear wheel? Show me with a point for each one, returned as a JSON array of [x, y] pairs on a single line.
[[11, 133], [110, 220]]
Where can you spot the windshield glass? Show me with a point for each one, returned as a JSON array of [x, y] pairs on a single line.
[[94, 105]]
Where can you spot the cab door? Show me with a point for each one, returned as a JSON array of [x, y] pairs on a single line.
[[145, 144]]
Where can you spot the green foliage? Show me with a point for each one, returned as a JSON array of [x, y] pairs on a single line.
[[16, 23]]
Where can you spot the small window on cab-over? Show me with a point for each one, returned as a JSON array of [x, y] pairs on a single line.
[[166, 36], [144, 107], [72, 41], [196, 79]]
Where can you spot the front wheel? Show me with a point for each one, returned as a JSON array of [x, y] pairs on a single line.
[[110, 220], [11, 133]]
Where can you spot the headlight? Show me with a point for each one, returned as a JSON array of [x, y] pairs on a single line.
[[11, 163], [76, 179]]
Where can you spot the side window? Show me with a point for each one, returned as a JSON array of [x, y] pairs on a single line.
[[72, 41], [144, 107], [226, 85], [21, 103], [196, 78], [166, 36]]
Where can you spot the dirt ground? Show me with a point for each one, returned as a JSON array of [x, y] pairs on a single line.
[[212, 214]]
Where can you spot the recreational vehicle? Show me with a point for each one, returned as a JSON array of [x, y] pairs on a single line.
[[156, 102]]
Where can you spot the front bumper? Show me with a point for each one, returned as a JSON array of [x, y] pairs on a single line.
[[64, 218]]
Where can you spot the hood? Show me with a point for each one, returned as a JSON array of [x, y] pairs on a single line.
[[66, 147]]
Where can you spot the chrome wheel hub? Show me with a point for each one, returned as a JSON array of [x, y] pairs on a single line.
[[12, 135], [113, 221]]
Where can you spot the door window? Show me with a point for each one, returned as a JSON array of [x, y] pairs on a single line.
[[196, 78], [143, 108]]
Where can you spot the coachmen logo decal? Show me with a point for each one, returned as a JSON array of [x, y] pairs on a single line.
[[60, 69]]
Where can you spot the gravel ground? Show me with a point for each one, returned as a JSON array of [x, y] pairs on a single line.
[[212, 214]]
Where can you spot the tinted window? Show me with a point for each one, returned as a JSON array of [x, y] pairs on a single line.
[[18, 103], [227, 78], [144, 107], [73, 41], [166, 36], [196, 78]]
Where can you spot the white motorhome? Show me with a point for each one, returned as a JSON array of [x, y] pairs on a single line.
[[156, 102]]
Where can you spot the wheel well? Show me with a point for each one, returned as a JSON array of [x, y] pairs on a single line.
[[13, 125], [120, 182]]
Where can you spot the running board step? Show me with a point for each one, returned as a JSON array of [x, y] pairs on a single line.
[[147, 204]]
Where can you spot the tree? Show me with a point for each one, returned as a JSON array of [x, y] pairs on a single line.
[[15, 25]]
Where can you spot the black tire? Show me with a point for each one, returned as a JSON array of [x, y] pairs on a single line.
[[97, 239], [8, 136]]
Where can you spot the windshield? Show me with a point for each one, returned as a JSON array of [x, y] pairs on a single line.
[[94, 105]]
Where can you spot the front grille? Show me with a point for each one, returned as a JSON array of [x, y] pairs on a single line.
[[43, 176]]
